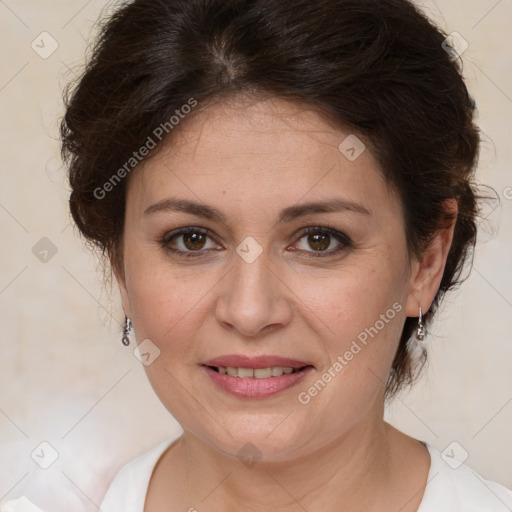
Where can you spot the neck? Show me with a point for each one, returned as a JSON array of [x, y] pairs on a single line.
[[350, 472]]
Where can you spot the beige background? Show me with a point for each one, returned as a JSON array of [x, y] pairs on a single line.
[[65, 377]]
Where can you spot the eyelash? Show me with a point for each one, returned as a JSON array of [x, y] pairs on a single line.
[[345, 242]]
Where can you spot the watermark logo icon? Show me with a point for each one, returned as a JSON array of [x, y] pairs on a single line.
[[454, 455], [44, 455], [352, 147], [146, 352], [44, 45], [249, 249], [44, 250], [249, 455], [455, 45]]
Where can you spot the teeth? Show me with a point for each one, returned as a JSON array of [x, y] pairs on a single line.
[[232, 371], [245, 373], [261, 373], [277, 371], [258, 373]]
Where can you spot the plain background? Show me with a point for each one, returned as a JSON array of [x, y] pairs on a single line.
[[65, 377]]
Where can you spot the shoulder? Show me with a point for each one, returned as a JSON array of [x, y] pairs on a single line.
[[128, 490], [455, 487]]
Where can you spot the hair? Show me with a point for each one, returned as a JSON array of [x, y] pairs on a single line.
[[378, 67]]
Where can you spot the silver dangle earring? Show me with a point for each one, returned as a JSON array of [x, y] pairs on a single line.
[[126, 331], [420, 332]]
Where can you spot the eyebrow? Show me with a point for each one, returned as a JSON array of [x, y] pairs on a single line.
[[287, 214]]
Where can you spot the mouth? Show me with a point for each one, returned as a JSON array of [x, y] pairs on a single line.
[[257, 377], [257, 373]]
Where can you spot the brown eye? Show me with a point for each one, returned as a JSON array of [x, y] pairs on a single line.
[[189, 241], [319, 241], [194, 241], [322, 241]]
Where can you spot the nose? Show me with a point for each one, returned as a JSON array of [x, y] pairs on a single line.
[[254, 299]]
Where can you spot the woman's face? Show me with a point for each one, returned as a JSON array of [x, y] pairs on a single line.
[[257, 276]]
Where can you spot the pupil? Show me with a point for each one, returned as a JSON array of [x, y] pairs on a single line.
[[194, 240], [319, 238]]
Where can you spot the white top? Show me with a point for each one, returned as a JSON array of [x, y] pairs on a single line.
[[451, 487], [448, 489]]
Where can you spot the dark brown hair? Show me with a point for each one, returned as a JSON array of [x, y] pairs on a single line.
[[376, 66]]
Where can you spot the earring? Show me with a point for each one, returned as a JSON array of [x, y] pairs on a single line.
[[126, 331], [420, 332]]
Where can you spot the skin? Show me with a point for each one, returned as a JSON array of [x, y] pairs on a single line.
[[251, 160]]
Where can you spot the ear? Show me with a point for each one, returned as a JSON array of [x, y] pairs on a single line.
[[427, 271], [120, 277], [124, 298]]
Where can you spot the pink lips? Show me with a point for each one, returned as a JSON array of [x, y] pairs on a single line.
[[252, 387]]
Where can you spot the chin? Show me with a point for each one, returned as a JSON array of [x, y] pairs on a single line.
[[270, 439]]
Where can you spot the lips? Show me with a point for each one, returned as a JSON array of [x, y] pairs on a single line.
[[255, 377]]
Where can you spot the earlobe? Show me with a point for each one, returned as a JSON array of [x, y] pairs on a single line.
[[124, 299], [428, 270], [121, 284]]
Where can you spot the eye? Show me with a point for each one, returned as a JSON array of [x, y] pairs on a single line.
[[317, 241], [189, 240], [323, 241]]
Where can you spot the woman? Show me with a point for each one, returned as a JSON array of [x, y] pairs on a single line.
[[284, 193]]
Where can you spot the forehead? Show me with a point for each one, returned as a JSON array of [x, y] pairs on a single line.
[[251, 150], [248, 128]]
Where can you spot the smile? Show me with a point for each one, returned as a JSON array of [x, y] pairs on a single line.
[[255, 373], [259, 377]]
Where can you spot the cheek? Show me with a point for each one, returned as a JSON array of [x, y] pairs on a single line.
[[168, 304], [167, 309], [164, 309], [352, 300], [363, 326], [359, 315]]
